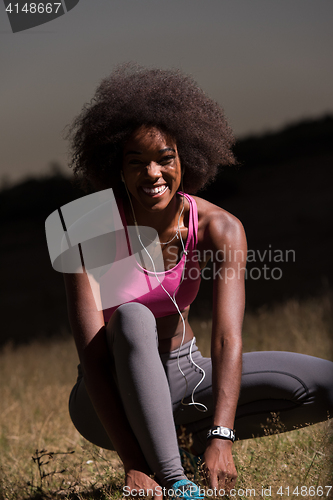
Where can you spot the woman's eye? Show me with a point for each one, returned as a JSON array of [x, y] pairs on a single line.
[[163, 161], [167, 159], [135, 162]]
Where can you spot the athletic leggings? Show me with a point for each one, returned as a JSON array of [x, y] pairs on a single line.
[[297, 387]]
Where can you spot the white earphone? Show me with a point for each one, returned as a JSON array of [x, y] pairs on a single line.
[[196, 404]]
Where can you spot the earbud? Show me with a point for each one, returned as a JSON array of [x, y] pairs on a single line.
[[122, 176]]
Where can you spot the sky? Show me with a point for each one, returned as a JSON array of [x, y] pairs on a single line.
[[267, 62]]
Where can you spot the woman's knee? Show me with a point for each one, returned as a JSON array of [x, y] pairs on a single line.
[[134, 308], [132, 324], [323, 385]]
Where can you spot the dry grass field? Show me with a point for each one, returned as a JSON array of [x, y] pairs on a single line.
[[43, 457]]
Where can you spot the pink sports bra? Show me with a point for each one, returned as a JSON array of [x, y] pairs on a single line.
[[134, 282]]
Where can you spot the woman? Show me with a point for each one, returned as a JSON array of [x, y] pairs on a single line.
[[152, 136]]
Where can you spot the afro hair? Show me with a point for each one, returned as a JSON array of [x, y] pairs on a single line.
[[133, 96]]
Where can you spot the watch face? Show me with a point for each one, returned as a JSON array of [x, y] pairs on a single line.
[[222, 432]]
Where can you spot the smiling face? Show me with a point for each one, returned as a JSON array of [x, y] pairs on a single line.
[[151, 168]]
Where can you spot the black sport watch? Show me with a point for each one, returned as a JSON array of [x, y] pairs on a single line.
[[221, 432]]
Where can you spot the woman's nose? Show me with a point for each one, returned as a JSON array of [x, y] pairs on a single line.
[[154, 169]]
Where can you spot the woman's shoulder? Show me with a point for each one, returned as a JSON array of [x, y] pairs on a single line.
[[216, 223], [210, 213]]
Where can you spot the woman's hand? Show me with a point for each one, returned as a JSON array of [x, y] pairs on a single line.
[[136, 480], [219, 465]]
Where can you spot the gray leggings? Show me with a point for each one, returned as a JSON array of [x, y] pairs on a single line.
[[298, 387]]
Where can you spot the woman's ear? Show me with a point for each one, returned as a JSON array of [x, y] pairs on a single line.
[[122, 176]]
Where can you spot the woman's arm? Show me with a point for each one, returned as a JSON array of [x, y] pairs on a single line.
[[224, 232], [89, 332]]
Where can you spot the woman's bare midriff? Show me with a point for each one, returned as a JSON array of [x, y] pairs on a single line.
[[170, 331]]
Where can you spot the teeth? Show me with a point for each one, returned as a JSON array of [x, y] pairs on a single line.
[[154, 190]]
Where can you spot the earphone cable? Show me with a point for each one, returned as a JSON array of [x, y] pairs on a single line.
[[199, 406]]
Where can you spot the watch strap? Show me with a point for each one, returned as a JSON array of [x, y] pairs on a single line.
[[220, 432]]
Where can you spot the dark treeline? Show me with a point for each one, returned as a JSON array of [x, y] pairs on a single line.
[[281, 190], [306, 139]]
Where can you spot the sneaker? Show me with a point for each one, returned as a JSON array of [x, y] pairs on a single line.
[[187, 490]]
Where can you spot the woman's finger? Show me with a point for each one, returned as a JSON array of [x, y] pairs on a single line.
[[229, 481]]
